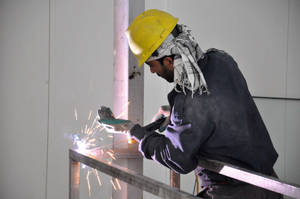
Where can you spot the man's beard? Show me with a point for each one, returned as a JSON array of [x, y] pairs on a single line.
[[167, 74]]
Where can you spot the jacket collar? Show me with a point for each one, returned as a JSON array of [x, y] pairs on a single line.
[[171, 96]]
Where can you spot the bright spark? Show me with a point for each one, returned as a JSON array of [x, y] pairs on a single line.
[[92, 140], [88, 182], [98, 178], [81, 146], [113, 184], [118, 183], [85, 129], [90, 114], [76, 115], [111, 155]]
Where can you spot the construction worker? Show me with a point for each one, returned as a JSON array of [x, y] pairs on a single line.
[[212, 112]]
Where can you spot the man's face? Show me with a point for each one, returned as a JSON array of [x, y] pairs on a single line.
[[165, 70]]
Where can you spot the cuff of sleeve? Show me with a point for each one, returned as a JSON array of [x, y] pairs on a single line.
[[137, 132]]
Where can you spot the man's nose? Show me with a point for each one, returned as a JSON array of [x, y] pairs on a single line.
[[152, 70]]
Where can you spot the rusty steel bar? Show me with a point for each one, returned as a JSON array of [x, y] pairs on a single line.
[[74, 179], [174, 179]]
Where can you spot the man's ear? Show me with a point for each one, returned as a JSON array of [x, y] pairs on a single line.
[[168, 62]]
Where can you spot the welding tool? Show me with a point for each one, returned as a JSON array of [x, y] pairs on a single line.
[[111, 124], [156, 125], [107, 119]]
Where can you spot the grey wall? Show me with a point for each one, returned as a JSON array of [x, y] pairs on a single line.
[[55, 56], [263, 37]]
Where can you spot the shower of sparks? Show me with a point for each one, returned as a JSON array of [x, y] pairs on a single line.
[[118, 183], [88, 141], [113, 184]]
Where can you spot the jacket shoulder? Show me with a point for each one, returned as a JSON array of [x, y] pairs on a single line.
[[221, 53]]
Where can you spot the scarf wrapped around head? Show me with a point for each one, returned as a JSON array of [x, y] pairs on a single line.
[[187, 73]]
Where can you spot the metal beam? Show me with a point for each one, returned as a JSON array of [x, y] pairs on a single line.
[[251, 177], [142, 182], [165, 191], [276, 98]]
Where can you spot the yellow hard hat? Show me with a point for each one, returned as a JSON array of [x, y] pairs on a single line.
[[147, 32]]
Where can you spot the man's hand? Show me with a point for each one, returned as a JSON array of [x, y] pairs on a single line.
[[164, 111], [111, 124]]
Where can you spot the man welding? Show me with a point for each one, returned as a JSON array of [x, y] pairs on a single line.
[[212, 112]]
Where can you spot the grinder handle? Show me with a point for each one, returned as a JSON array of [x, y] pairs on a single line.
[[155, 125]]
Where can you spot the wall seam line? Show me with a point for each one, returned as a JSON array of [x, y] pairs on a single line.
[[48, 119], [286, 88]]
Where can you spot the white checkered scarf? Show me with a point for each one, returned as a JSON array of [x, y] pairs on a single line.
[[187, 73]]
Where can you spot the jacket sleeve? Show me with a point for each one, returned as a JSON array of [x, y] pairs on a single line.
[[178, 148]]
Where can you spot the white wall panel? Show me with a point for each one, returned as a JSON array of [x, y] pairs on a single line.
[[157, 4], [293, 70], [155, 171], [292, 139], [81, 77], [273, 114], [253, 32], [24, 34], [187, 183]]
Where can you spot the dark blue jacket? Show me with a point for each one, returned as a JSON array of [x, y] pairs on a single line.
[[224, 125]]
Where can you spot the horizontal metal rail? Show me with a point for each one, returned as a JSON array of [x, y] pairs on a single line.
[[251, 177], [145, 183], [165, 191], [276, 98]]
